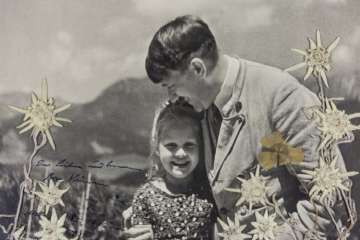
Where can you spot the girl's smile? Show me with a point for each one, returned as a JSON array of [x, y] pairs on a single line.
[[179, 149]]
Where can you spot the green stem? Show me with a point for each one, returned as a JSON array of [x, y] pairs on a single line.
[[321, 93], [81, 213], [87, 195], [28, 229], [27, 173]]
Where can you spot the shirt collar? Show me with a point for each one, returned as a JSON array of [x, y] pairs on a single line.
[[227, 87]]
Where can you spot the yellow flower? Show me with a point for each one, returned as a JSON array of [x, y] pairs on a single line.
[[335, 125], [50, 195], [53, 229], [232, 230], [265, 227], [41, 115], [325, 179], [316, 58], [253, 190], [277, 152]]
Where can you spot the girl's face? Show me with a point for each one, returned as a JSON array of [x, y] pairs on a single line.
[[179, 149]]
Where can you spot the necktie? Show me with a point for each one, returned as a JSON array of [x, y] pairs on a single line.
[[214, 120]]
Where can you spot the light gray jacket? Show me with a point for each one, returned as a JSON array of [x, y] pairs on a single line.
[[271, 100]]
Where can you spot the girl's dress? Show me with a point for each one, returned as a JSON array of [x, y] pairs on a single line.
[[181, 216]]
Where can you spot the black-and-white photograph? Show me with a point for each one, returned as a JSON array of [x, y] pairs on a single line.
[[183, 119]]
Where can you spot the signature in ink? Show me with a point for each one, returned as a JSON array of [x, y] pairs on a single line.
[[75, 177], [64, 163], [110, 164]]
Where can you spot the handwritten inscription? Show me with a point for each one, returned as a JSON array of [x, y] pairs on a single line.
[[75, 177], [64, 163]]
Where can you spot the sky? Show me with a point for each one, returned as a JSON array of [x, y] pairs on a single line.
[[84, 46]]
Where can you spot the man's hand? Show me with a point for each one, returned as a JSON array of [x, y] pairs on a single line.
[[126, 214], [138, 232], [315, 216]]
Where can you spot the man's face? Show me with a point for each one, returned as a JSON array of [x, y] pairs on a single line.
[[189, 86]]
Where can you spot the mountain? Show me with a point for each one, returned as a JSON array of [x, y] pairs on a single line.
[[116, 124]]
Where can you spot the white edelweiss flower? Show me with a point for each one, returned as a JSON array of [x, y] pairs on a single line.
[[265, 227], [253, 190], [50, 196], [53, 229], [316, 58], [232, 230], [325, 179], [334, 124], [41, 115]]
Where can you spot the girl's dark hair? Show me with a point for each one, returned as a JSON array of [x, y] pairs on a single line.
[[176, 43]]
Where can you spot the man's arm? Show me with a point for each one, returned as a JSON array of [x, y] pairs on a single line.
[[288, 117]]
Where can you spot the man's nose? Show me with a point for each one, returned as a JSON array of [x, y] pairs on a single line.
[[180, 153]]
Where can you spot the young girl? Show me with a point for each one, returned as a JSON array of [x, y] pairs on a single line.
[[176, 201]]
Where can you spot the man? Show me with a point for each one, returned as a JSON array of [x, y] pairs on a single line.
[[250, 101]]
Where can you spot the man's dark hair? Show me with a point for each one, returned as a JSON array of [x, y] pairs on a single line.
[[176, 43]]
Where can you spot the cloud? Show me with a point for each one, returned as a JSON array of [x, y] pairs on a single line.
[[258, 16], [166, 9], [13, 149], [347, 54], [100, 149], [243, 14], [308, 3], [66, 63], [117, 26], [346, 60], [59, 52], [132, 65]]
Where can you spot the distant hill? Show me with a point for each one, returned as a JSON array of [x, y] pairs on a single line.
[[117, 123]]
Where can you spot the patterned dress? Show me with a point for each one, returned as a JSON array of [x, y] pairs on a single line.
[[181, 216]]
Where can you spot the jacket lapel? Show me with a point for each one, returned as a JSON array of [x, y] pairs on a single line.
[[229, 132], [233, 121]]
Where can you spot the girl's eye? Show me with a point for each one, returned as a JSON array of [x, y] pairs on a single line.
[[171, 146], [189, 145]]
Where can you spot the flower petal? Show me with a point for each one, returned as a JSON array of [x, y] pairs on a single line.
[[302, 52], [44, 90], [333, 45], [324, 78], [62, 220], [20, 110], [27, 128], [312, 43], [63, 108], [236, 190], [266, 160], [354, 115], [318, 38], [63, 119], [24, 124], [49, 137], [271, 140], [223, 224], [295, 67], [309, 71], [56, 123], [296, 155]]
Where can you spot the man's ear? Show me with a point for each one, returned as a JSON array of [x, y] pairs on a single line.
[[198, 67]]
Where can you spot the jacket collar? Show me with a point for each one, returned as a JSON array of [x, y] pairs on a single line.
[[228, 84], [233, 120]]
